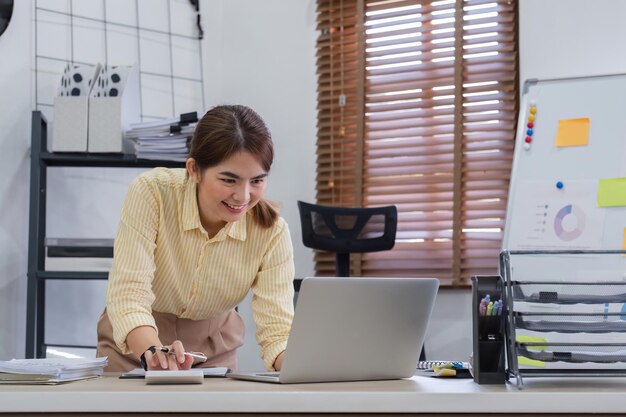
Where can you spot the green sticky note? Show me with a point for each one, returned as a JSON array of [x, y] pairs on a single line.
[[522, 360], [612, 192], [533, 339]]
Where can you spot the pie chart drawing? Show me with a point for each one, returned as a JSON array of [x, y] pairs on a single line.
[[572, 215]]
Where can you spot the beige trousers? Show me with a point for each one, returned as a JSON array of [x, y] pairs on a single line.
[[218, 338]]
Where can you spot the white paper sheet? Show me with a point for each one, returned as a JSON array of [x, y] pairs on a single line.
[[550, 218]]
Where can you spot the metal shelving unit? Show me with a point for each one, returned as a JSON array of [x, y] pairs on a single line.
[[41, 160]]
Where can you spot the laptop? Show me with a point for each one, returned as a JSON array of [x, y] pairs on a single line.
[[354, 329]]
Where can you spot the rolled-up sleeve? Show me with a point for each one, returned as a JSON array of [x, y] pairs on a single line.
[[129, 292], [272, 300]]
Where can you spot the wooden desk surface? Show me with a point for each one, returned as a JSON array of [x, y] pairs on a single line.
[[417, 395]]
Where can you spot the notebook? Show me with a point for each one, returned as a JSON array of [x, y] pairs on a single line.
[[354, 329]]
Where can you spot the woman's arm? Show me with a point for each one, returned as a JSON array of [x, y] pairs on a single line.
[[272, 301], [129, 291]]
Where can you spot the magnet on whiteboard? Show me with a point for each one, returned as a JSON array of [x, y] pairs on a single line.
[[560, 185], [526, 146]]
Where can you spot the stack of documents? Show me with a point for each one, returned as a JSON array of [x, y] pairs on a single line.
[[163, 139], [50, 370]]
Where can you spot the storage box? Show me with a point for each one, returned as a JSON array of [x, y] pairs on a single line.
[[69, 128], [110, 114], [70, 125]]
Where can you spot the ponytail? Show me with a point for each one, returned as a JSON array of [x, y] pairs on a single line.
[[265, 213]]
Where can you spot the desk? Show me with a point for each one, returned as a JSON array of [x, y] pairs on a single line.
[[419, 395]]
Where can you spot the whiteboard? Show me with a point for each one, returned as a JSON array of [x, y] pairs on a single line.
[[576, 141], [553, 203]]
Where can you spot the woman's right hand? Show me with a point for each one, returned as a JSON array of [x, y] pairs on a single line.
[[170, 357]]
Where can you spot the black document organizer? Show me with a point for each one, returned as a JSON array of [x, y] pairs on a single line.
[[488, 333], [574, 313]]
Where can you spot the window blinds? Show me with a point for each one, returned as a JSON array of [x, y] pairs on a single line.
[[417, 108]]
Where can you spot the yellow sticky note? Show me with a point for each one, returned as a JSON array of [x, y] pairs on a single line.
[[624, 241], [612, 192], [572, 132]]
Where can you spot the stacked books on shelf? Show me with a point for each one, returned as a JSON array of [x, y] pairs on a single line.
[[166, 139], [50, 371]]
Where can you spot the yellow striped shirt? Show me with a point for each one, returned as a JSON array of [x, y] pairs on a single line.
[[164, 260]]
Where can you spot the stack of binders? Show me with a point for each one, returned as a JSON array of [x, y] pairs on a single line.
[[163, 139]]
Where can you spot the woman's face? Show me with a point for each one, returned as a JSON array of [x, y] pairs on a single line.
[[228, 190]]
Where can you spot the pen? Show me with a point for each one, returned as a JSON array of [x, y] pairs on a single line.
[[195, 355]]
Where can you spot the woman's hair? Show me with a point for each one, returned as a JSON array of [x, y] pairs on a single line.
[[226, 130]]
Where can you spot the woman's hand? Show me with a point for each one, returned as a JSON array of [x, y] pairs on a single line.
[[278, 363], [170, 357]]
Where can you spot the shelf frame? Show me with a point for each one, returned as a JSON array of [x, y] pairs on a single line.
[[41, 160]]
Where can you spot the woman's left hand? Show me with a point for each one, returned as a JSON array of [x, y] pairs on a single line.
[[278, 363]]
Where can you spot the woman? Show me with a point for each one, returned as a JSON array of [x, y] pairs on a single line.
[[190, 244]]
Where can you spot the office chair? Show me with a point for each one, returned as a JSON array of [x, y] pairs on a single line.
[[347, 230]]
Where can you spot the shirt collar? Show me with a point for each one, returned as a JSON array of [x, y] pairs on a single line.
[[237, 230], [191, 215]]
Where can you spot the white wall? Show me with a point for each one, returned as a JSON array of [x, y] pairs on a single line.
[[15, 101], [569, 38]]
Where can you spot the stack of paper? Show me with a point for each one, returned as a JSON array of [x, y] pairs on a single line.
[[164, 139], [50, 370]]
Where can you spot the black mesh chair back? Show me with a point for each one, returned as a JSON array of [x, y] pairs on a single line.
[[347, 230]]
